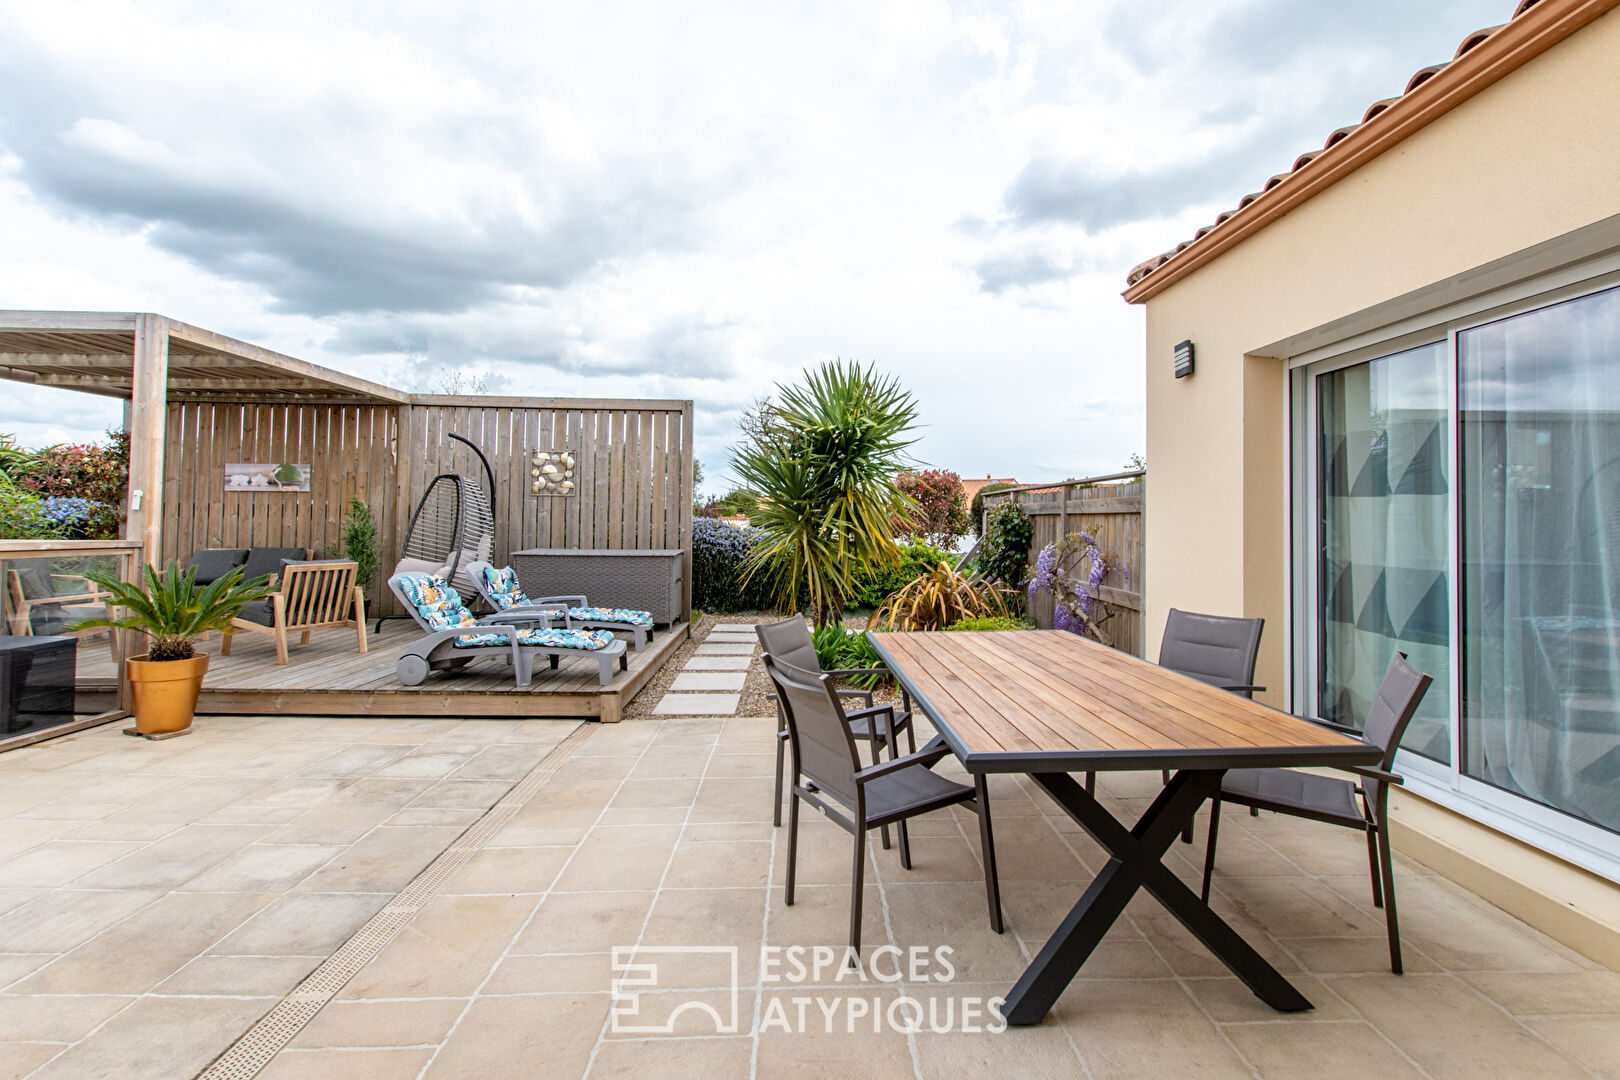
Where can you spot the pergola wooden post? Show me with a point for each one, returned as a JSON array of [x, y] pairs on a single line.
[[148, 419]]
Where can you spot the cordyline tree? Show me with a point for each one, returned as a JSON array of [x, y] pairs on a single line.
[[823, 460], [941, 517]]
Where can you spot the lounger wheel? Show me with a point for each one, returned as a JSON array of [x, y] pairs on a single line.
[[411, 670]]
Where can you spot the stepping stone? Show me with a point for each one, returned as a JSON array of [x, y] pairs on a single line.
[[724, 649], [698, 704], [718, 663], [734, 639], [732, 628], [709, 680]]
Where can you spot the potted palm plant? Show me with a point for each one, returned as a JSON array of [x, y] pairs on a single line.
[[173, 612]]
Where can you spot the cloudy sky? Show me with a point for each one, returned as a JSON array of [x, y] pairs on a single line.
[[687, 200]]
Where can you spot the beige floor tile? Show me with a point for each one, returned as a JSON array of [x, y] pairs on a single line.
[[509, 870], [382, 861], [239, 976], [637, 793], [21, 1059], [550, 1034], [724, 765], [828, 1032], [67, 918], [1227, 1000], [583, 973], [733, 799], [387, 1064], [683, 764], [19, 836], [1461, 933], [1283, 1051], [706, 864], [434, 815], [505, 762], [421, 1022], [584, 922], [426, 762], [673, 1059], [1292, 906], [14, 965], [1354, 956], [1590, 1040], [160, 1038], [1564, 993], [447, 950], [50, 1018], [1450, 1030], [957, 916], [143, 950], [620, 858], [174, 860], [1143, 1029], [302, 924], [60, 862], [264, 868], [464, 794], [820, 917]]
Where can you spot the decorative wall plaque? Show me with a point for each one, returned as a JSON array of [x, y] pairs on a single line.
[[551, 472]]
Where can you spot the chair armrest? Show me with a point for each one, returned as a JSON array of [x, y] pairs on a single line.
[[872, 772], [511, 616], [576, 600], [1376, 774], [864, 694], [1241, 688], [71, 598], [873, 711], [857, 671]]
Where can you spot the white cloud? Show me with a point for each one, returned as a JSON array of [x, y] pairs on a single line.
[[638, 198]]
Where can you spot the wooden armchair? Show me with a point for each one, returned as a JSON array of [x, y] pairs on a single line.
[[50, 608], [313, 596]]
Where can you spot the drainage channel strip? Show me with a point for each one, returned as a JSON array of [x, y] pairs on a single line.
[[261, 1042]]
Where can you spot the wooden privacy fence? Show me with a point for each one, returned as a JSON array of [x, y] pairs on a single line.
[[633, 469], [1110, 509]]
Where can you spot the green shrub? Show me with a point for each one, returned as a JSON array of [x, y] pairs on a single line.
[[1005, 555], [838, 648], [876, 584], [22, 514], [991, 622], [976, 509]]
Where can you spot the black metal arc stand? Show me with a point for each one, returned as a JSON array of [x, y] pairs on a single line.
[[1135, 862]]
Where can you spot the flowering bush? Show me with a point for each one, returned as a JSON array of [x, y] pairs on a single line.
[[940, 517], [22, 514], [718, 553], [1077, 604], [95, 474]]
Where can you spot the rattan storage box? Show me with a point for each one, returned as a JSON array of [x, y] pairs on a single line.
[[643, 580]]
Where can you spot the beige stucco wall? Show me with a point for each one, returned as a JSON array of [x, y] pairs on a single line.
[[1532, 157]]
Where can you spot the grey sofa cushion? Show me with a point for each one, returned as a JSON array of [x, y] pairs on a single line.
[[268, 560], [259, 611], [212, 564]]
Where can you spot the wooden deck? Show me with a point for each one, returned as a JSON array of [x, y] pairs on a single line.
[[328, 677]]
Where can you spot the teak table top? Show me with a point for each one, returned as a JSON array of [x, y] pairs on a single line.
[[1050, 701]]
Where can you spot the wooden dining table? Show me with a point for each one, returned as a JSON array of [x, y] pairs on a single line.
[[1048, 703]]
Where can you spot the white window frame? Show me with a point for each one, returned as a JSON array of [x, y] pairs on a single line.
[[1579, 842]]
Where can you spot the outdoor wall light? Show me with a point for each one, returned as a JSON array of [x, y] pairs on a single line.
[[1184, 359], [551, 472]]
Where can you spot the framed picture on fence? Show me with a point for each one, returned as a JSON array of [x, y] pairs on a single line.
[[246, 476]]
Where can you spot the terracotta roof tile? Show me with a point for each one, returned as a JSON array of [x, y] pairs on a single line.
[[1147, 266]]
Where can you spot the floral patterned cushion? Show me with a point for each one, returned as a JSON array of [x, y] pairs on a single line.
[[436, 602], [501, 586], [585, 640], [613, 615]]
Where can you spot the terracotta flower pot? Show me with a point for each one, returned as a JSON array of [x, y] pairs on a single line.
[[165, 692]]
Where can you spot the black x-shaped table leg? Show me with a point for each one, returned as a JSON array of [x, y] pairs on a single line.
[[1134, 864]]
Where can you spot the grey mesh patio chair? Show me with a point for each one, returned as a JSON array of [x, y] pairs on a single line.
[[1215, 649], [827, 774], [1363, 805], [501, 592], [790, 642], [455, 638]]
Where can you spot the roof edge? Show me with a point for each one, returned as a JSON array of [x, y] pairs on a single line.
[[1481, 62]]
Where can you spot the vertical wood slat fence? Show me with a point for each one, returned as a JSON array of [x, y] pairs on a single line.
[[1110, 509], [633, 473]]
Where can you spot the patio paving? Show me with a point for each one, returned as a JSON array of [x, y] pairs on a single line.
[[156, 899]]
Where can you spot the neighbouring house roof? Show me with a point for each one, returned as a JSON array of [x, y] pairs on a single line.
[[971, 486], [1483, 57]]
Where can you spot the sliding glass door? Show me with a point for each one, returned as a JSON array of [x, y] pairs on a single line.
[[1384, 572], [1540, 516], [1459, 501]]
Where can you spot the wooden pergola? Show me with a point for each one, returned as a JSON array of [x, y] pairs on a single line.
[[151, 361]]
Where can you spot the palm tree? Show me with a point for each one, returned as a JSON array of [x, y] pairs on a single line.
[[824, 467]]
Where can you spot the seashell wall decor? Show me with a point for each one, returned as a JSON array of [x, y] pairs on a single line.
[[551, 472]]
